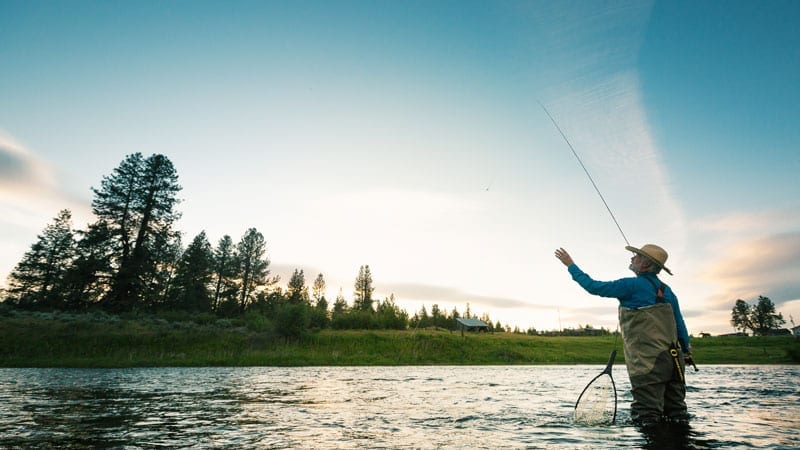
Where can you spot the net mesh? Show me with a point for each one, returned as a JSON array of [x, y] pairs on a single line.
[[598, 403]]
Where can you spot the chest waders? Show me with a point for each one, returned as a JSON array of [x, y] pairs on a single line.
[[653, 358]]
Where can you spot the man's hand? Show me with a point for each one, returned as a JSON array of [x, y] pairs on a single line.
[[687, 358], [564, 257]]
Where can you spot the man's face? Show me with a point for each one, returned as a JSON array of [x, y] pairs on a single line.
[[636, 263]]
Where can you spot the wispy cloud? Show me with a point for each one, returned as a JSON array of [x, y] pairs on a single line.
[[30, 189], [609, 127], [31, 194], [753, 254], [21, 169], [596, 96], [767, 266], [430, 294]]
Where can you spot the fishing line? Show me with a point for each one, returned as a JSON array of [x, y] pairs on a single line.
[[587, 173], [597, 403]]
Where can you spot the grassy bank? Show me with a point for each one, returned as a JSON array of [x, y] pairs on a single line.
[[100, 340]]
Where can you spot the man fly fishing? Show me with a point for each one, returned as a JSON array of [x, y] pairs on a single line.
[[653, 334]]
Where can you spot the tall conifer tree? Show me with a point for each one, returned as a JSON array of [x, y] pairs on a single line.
[[363, 290], [225, 270], [193, 276], [138, 202], [318, 293], [253, 267], [90, 275], [38, 280], [297, 291]]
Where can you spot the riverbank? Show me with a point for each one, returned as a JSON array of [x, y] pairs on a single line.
[[101, 340]]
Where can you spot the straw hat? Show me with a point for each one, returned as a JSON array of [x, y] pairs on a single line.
[[654, 253]]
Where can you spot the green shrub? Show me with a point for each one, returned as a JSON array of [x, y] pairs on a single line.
[[794, 351], [255, 321], [292, 321]]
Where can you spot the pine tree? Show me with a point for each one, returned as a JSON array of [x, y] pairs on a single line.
[[453, 319], [225, 270], [297, 291], [320, 318], [339, 305], [138, 203], [318, 291], [89, 277], [253, 267], [194, 276], [390, 316], [159, 275], [436, 316], [38, 280], [423, 319], [362, 300], [116, 202]]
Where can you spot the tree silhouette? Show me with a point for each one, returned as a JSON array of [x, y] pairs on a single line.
[[194, 276], [760, 319], [131, 258], [90, 275], [38, 279], [137, 202], [740, 316], [362, 300], [225, 267], [253, 273], [764, 317], [320, 318], [297, 291]]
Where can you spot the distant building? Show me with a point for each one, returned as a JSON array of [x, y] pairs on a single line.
[[796, 331], [778, 332], [472, 325], [591, 331]]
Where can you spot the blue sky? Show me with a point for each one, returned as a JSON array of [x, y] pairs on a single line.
[[408, 136]]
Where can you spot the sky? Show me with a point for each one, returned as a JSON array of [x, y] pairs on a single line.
[[409, 136]]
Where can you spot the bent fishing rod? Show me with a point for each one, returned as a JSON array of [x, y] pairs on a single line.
[[587, 173]]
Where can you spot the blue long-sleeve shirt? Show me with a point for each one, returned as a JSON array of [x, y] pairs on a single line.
[[634, 292]]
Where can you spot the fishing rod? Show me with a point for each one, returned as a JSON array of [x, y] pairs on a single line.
[[596, 407], [587, 172]]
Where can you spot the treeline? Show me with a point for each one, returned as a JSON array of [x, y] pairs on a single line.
[[131, 259]]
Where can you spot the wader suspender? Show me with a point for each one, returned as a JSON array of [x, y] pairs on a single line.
[[659, 290], [673, 350]]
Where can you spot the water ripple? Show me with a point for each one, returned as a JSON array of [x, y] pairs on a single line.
[[376, 407]]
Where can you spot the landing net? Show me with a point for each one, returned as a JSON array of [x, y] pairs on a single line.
[[597, 405]]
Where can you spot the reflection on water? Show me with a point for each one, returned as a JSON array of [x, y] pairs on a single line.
[[384, 407]]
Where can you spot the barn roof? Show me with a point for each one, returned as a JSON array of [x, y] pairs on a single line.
[[472, 322]]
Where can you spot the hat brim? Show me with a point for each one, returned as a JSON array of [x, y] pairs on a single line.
[[639, 252]]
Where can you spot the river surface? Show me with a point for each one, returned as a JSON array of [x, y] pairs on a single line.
[[378, 407]]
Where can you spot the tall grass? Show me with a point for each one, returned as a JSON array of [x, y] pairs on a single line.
[[101, 340]]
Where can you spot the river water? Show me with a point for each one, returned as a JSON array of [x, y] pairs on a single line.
[[378, 407]]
